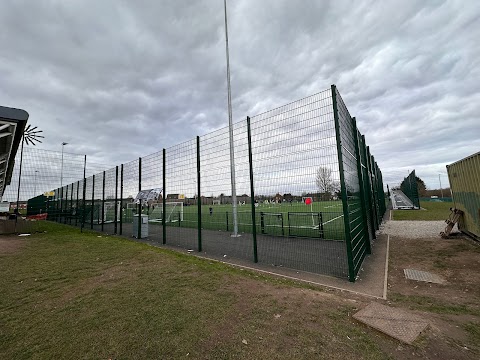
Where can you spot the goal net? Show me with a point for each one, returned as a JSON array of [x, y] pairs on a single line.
[[173, 212], [109, 212], [271, 223], [306, 224]]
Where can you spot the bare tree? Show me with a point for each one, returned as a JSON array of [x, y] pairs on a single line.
[[325, 183]]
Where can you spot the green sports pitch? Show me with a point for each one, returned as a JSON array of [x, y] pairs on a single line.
[[322, 219]]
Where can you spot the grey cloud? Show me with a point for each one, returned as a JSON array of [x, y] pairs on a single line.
[[119, 80]]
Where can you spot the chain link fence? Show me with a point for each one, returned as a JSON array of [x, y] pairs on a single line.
[[309, 193]]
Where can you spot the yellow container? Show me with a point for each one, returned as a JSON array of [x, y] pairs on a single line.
[[464, 177]]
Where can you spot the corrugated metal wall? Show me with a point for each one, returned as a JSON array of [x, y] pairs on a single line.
[[464, 176]]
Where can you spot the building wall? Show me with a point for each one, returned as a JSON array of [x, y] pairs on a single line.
[[464, 177]]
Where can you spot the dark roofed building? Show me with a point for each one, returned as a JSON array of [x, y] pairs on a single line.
[[12, 125]]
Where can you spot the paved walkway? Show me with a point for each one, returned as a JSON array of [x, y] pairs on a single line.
[[400, 200], [371, 280]]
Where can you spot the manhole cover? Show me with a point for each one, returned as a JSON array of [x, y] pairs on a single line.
[[423, 276], [394, 322]]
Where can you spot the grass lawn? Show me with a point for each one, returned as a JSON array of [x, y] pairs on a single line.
[[71, 295], [433, 211]]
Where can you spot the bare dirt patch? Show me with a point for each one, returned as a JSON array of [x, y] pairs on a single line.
[[452, 308], [11, 244]]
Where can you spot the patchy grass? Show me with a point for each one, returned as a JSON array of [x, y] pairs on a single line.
[[67, 294], [433, 211], [473, 330], [430, 304]]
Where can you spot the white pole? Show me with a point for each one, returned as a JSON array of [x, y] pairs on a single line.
[[230, 127], [441, 190]]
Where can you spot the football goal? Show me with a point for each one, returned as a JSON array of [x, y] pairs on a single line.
[[271, 223], [305, 224], [109, 212], [173, 212], [102, 217]]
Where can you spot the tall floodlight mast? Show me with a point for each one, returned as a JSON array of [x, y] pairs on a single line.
[[230, 130]]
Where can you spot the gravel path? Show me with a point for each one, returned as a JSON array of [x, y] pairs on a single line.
[[413, 229]]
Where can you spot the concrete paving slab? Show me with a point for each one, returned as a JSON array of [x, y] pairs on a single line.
[[397, 323], [423, 276]]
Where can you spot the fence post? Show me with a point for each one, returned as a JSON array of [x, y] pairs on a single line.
[[103, 200], [363, 200], [252, 192], [84, 204], [262, 222], [372, 186], [115, 219], [84, 194], [60, 220], [65, 206], [68, 219], [57, 197], [199, 202], [375, 191], [77, 211], [93, 201], [121, 200], [368, 188], [71, 203], [346, 217], [320, 221], [139, 232], [164, 201]]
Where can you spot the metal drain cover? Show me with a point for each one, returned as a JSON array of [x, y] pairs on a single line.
[[423, 276], [397, 323]]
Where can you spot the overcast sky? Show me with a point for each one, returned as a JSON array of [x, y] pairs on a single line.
[[123, 79]]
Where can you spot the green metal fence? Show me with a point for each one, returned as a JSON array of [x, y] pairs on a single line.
[[409, 187], [309, 193]]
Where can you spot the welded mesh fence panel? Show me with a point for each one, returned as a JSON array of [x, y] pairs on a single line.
[[78, 203], [217, 205], [130, 191], [62, 205], [373, 190], [410, 188], [44, 170], [181, 216], [355, 222], [72, 203], [294, 158], [381, 193], [67, 209], [311, 212], [97, 202], [366, 186], [109, 207], [152, 178], [88, 212], [376, 190]]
